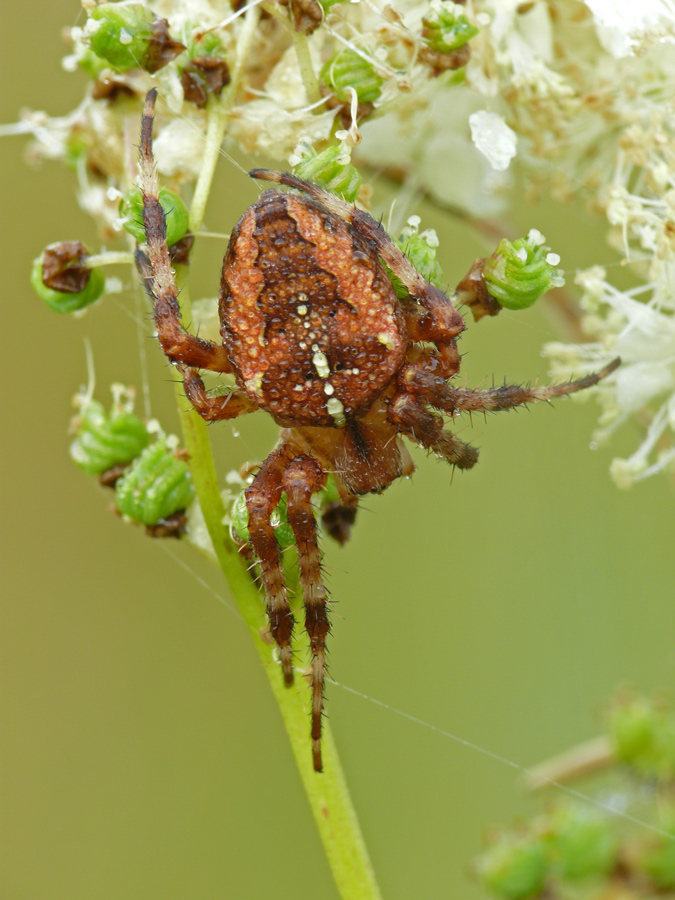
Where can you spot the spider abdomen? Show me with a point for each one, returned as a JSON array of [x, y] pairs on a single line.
[[310, 320]]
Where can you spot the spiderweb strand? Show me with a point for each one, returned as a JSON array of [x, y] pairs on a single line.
[[588, 799]]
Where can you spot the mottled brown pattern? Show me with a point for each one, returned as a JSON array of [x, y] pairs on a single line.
[[297, 282], [315, 335]]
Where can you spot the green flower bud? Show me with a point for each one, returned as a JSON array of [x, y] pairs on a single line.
[[155, 486], [518, 273], [282, 530], [644, 737], [327, 4], [347, 69], [421, 251], [330, 170], [131, 37], [659, 862], [444, 30], [62, 281], [77, 146], [515, 869], [91, 64], [175, 214], [106, 440], [583, 843]]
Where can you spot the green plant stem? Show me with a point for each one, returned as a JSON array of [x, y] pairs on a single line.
[[309, 79], [327, 792], [218, 117], [111, 258], [301, 44]]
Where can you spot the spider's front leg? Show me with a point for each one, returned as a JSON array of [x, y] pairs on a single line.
[[177, 344], [436, 391], [221, 406]]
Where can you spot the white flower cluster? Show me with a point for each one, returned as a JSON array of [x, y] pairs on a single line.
[[447, 96]]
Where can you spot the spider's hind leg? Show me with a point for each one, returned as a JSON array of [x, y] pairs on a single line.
[[303, 477], [262, 498]]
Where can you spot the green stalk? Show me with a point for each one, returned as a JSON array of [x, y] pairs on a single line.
[[327, 792], [218, 117], [301, 44], [309, 79]]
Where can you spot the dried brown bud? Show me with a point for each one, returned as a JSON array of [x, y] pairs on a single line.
[[162, 49], [307, 15], [337, 520], [172, 526], [204, 75], [180, 251], [62, 267], [110, 88], [472, 292], [441, 62]]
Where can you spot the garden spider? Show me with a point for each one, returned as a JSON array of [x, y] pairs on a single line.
[[314, 334]]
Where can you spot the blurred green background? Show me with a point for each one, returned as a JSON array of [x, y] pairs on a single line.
[[142, 755]]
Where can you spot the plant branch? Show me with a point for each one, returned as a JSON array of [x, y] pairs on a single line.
[[327, 792], [218, 117], [302, 52]]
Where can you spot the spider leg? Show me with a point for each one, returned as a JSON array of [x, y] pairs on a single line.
[[410, 415], [436, 391], [262, 498], [158, 275], [301, 479], [224, 406]]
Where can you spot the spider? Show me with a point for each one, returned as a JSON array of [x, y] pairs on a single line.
[[314, 334]]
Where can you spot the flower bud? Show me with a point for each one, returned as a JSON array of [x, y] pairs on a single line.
[[62, 281], [282, 530], [659, 860], [644, 737], [514, 277], [176, 215], [445, 30], [421, 251], [103, 441], [515, 868], [347, 69], [131, 37], [583, 843], [328, 170], [155, 486], [518, 273]]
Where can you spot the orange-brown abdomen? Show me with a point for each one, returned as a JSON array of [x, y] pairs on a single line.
[[308, 315]]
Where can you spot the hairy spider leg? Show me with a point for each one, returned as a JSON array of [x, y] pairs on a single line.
[[221, 406], [177, 344], [409, 414], [303, 477], [262, 498], [436, 391]]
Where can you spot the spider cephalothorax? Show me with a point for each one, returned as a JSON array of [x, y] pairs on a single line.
[[314, 334]]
